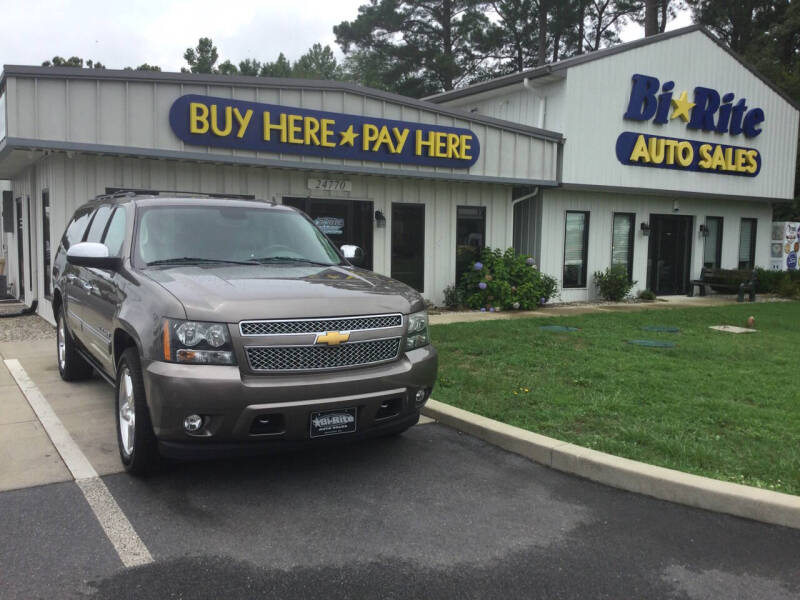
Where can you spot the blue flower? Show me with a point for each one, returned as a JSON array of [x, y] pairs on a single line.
[[478, 266], [483, 309], [529, 261], [482, 285]]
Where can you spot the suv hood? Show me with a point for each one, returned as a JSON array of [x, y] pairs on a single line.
[[233, 293]]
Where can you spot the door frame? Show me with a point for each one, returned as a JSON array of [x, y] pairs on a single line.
[[652, 274]]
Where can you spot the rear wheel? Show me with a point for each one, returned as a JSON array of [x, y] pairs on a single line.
[[71, 365], [138, 447]]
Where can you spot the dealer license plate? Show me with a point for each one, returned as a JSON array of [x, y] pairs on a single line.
[[332, 422]]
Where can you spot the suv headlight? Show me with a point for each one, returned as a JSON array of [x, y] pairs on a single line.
[[417, 330], [196, 342]]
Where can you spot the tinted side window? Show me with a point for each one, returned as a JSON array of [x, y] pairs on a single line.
[[76, 228], [98, 225], [116, 232]]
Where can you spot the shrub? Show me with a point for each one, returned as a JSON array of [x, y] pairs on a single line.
[[788, 287], [505, 280], [648, 295], [453, 297], [772, 282], [613, 283]]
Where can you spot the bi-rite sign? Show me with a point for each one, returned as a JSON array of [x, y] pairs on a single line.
[[207, 121], [710, 112]]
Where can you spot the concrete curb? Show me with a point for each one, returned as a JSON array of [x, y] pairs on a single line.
[[666, 484]]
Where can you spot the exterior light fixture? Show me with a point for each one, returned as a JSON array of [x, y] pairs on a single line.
[[380, 219], [703, 230], [645, 229]]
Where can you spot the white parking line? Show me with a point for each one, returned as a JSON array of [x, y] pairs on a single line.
[[129, 546]]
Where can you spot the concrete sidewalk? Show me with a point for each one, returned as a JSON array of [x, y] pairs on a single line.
[[585, 308]]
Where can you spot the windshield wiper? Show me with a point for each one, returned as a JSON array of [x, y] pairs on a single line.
[[185, 260], [267, 259]]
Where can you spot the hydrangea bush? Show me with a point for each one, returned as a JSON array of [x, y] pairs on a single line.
[[505, 280]]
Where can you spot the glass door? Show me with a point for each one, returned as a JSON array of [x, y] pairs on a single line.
[[669, 254], [408, 244]]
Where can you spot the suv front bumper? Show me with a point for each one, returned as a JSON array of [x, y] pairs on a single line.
[[231, 401]]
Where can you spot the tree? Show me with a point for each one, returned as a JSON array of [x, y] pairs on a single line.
[[508, 40], [738, 23], [250, 66], [426, 46], [147, 67], [227, 68], [72, 61], [317, 63], [202, 58], [280, 68], [603, 21]]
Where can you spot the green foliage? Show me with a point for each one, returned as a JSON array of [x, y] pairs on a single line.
[[73, 61], [505, 280], [613, 283], [783, 283], [453, 297], [280, 68], [647, 295], [202, 58], [317, 63]]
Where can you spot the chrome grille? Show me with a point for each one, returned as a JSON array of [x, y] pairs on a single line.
[[284, 327], [306, 358]]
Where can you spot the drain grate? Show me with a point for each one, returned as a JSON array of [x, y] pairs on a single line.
[[652, 343], [558, 328], [661, 328]]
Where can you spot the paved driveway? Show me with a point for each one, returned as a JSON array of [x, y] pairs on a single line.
[[431, 514]]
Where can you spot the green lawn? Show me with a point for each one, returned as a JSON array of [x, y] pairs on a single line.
[[717, 404]]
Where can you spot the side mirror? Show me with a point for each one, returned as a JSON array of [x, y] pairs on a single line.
[[354, 254], [92, 255]]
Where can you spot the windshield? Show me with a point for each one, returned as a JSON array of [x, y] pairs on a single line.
[[210, 234]]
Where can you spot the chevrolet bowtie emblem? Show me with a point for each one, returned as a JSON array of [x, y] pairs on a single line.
[[332, 338]]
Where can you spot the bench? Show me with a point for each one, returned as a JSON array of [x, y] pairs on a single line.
[[726, 280]]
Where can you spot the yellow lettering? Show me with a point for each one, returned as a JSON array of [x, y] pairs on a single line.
[[655, 146], [243, 121], [294, 129], [705, 153], [741, 157], [215, 122], [441, 142], [420, 143], [718, 160], [465, 146], [400, 137], [369, 134], [670, 146], [452, 145], [268, 126], [752, 164], [384, 137], [312, 127], [198, 117], [640, 150], [684, 153], [327, 131]]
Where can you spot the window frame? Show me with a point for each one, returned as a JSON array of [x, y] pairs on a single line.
[[753, 236], [718, 250], [113, 214], [582, 284], [483, 233], [631, 239], [97, 209]]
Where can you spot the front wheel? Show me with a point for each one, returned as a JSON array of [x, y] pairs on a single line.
[[71, 365], [138, 447]]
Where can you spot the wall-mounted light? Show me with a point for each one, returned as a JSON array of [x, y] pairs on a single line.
[[645, 227], [703, 230], [380, 219]]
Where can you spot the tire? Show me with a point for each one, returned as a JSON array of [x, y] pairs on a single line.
[[138, 447], [71, 365]]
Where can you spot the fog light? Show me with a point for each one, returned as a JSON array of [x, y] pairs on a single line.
[[422, 395], [193, 423]]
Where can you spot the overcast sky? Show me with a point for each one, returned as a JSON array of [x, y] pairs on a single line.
[[159, 31]]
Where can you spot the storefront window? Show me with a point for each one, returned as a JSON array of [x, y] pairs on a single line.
[[747, 244], [470, 237], [576, 242], [622, 241], [46, 241], [712, 251]]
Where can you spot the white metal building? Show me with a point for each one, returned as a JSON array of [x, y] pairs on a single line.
[[397, 176], [664, 221]]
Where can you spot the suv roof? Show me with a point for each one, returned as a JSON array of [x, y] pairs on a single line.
[[122, 196]]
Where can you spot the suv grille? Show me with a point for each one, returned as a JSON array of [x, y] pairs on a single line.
[[319, 325], [304, 358]]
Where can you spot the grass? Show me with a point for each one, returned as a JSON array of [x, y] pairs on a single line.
[[717, 404]]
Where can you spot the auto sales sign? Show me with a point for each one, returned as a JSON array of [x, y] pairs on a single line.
[[708, 111]]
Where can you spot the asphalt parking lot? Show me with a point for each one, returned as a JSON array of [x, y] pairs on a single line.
[[431, 514]]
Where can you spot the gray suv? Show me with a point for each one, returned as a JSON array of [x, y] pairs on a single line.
[[233, 326]]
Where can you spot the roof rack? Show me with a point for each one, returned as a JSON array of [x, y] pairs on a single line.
[[132, 193]]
